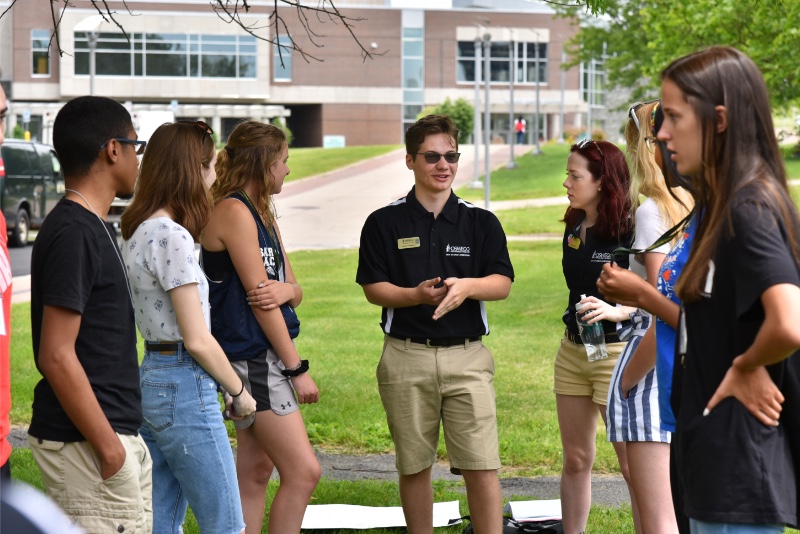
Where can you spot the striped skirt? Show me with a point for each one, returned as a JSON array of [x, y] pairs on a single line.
[[637, 417]]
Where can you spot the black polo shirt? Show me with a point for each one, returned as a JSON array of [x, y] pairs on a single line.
[[403, 244], [582, 264]]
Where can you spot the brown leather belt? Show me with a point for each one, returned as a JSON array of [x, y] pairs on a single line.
[[163, 348], [440, 342], [576, 338]]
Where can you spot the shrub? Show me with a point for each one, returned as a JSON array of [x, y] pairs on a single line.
[[462, 113]]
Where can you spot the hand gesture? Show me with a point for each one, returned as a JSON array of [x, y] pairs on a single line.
[[754, 389], [457, 291], [306, 389], [593, 310], [427, 293], [270, 294], [621, 285], [243, 405]]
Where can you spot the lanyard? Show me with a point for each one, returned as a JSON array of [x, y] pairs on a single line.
[[665, 238]]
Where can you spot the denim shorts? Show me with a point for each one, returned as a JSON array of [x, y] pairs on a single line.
[[192, 457], [701, 527]]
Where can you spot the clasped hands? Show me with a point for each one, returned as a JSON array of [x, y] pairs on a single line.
[[446, 298]]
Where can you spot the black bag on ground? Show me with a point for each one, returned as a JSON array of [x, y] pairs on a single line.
[[514, 527]]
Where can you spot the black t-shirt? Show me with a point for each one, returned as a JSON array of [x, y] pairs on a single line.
[[733, 468], [74, 265], [582, 263], [403, 244]]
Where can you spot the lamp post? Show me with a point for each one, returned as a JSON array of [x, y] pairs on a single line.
[[487, 117], [476, 132], [563, 89], [512, 74], [538, 149], [90, 25]]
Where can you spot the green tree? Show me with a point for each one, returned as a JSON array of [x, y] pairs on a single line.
[[462, 113], [280, 123], [641, 37]]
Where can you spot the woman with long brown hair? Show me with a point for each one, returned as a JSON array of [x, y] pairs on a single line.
[[183, 364], [737, 362]]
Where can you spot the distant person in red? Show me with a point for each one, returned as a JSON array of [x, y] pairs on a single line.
[[5, 325], [519, 127]]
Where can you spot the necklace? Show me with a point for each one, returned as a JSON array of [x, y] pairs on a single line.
[[113, 241]]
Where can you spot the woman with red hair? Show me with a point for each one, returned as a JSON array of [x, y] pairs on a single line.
[[597, 222]]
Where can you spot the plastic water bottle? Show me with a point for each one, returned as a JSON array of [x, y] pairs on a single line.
[[592, 335]]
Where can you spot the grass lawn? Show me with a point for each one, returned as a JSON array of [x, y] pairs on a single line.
[[342, 339], [305, 162], [541, 176], [544, 220]]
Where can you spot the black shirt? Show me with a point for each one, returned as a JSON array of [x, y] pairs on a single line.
[[582, 263], [403, 244], [75, 265], [733, 468]]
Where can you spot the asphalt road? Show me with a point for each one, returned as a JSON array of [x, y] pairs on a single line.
[[20, 260]]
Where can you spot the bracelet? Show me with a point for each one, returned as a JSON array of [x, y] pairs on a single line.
[[298, 370], [240, 391]]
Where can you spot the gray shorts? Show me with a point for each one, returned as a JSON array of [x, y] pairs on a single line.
[[263, 379]]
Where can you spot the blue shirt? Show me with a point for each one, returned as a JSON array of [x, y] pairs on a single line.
[[665, 334]]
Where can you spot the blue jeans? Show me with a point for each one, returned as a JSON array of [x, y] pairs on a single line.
[[192, 458], [701, 527]]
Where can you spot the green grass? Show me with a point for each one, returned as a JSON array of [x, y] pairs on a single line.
[[544, 220], [542, 176], [535, 177], [342, 338], [305, 162]]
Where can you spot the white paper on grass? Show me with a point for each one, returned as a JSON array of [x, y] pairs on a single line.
[[534, 510], [321, 516]]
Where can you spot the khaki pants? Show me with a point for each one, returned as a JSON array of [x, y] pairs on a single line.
[[71, 475]]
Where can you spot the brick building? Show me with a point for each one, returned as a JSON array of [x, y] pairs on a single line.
[[182, 57]]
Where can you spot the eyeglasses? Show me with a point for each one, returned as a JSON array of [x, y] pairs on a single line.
[[202, 126], [634, 108], [434, 157], [139, 144]]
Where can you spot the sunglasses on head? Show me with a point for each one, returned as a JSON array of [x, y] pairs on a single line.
[[139, 144], [634, 108], [202, 126], [583, 142], [433, 157]]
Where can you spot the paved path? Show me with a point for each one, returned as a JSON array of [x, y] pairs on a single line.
[[328, 211]]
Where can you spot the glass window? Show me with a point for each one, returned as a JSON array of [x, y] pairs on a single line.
[[411, 96], [410, 112], [247, 66], [40, 40], [412, 73], [165, 65], [218, 66], [527, 63], [282, 60], [413, 48]]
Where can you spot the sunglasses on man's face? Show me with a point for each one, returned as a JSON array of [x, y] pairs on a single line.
[[140, 145], [434, 157]]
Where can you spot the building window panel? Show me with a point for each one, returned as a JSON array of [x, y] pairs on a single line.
[[40, 39], [282, 60], [413, 49], [412, 73], [165, 65], [412, 32], [411, 112], [525, 66], [413, 97], [218, 66], [168, 54]]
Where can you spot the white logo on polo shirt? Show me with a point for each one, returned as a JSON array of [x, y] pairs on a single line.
[[452, 250]]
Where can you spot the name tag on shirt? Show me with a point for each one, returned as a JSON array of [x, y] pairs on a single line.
[[573, 242], [408, 242]]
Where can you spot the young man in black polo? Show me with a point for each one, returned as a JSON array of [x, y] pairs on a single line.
[[430, 260], [87, 409]]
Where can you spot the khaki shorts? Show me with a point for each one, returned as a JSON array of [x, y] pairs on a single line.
[[71, 475], [575, 375], [421, 386]]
